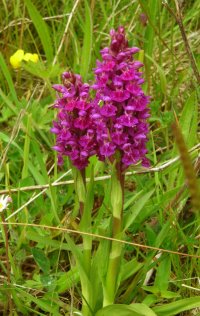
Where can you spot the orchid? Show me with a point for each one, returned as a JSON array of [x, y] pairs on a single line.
[[113, 125], [121, 125], [74, 127]]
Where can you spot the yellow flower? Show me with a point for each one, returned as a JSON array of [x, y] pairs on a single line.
[[16, 58], [31, 57], [19, 56]]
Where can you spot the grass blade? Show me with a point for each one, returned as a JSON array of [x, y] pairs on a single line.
[[8, 77], [177, 307], [188, 167], [41, 28], [87, 42], [131, 215]]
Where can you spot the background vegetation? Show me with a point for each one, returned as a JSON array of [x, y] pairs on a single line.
[[38, 273]]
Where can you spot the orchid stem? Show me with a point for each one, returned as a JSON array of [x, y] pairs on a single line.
[[85, 223], [117, 200]]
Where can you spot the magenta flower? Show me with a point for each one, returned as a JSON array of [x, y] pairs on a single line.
[[121, 120], [74, 127]]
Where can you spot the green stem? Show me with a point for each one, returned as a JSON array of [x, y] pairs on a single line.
[[5, 228], [117, 201], [85, 223]]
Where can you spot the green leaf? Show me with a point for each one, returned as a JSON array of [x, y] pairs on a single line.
[[8, 78], [189, 125], [79, 261], [163, 274], [175, 308], [87, 42], [6, 139], [67, 280], [43, 71], [41, 260], [85, 223], [41, 28], [163, 234], [26, 154], [116, 194], [137, 207], [79, 185], [129, 268], [132, 199], [45, 240], [187, 120], [142, 309], [126, 310], [40, 302], [40, 158], [164, 294], [163, 80], [151, 8], [7, 100]]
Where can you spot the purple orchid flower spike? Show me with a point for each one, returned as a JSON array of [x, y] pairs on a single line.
[[122, 124], [74, 127]]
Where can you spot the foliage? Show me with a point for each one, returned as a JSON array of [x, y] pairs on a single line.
[[39, 274]]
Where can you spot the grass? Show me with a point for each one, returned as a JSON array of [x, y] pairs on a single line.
[[42, 274]]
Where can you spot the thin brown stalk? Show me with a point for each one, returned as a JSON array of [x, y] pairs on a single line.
[[28, 21], [67, 230], [159, 168]]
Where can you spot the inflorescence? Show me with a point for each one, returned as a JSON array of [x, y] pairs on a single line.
[[115, 121]]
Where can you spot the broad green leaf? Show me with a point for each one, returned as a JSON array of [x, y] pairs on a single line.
[[41, 259], [177, 307], [41, 28], [126, 310], [150, 299], [142, 309], [135, 210], [163, 274], [114, 310]]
